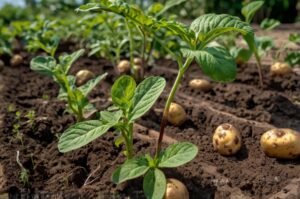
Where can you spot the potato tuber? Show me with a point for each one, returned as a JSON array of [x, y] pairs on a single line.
[[176, 114], [124, 66], [176, 190], [279, 68], [227, 139], [200, 84], [16, 60], [281, 143], [83, 76]]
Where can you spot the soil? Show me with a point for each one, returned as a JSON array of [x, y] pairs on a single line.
[[86, 173]]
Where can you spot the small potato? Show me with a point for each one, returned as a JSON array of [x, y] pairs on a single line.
[[200, 84], [124, 66], [280, 69], [281, 143], [16, 60], [176, 114], [137, 61], [83, 76], [176, 190], [227, 139]]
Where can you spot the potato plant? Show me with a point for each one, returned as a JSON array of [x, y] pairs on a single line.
[[216, 62], [76, 97]]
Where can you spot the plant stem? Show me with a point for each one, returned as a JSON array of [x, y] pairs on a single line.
[[259, 69], [127, 134], [131, 46], [168, 104]]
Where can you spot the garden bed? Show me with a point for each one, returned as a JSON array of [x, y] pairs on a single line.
[[249, 174]]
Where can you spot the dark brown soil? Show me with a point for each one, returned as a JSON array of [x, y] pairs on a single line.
[[249, 174]]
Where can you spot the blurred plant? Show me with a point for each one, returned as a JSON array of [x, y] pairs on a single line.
[[24, 174]]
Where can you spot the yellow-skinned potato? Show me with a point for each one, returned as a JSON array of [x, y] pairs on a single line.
[[200, 84], [124, 66], [227, 139], [137, 61], [16, 60], [176, 190], [279, 68], [177, 114], [281, 143], [83, 76]]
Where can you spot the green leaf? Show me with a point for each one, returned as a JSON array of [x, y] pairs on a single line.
[[119, 7], [62, 94], [145, 96], [108, 117], [122, 91], [293, 58], [269, 24], [250, 9], [177, 154], [241, 55], [209, 26], [168, 5], [43, 65], [88, 87], [66, 61], [130, 169], [294, 37], [154, 184], [81, 134], [216, 62]]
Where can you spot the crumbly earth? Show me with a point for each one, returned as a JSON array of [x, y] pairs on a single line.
[[86, 173]]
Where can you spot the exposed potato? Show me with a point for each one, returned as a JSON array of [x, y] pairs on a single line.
[[83, 76], [200, 84], [281, 143], [137, 61], [16, 60], [176, 190], [124, 66], [176, 114], [227, 139], [280, 69]]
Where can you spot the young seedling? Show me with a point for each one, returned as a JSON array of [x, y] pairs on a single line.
[[76, 97], [24, 174], [130, 102]]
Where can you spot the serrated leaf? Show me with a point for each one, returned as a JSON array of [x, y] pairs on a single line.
[[81, 134], [154, 184], [209, 26], [122, 91], [88, 87], [43, 65], [177, 154], [250, 9], [131, 169], [146, 93]]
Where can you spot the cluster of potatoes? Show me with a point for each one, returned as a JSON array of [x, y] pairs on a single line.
[[279, 143]]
